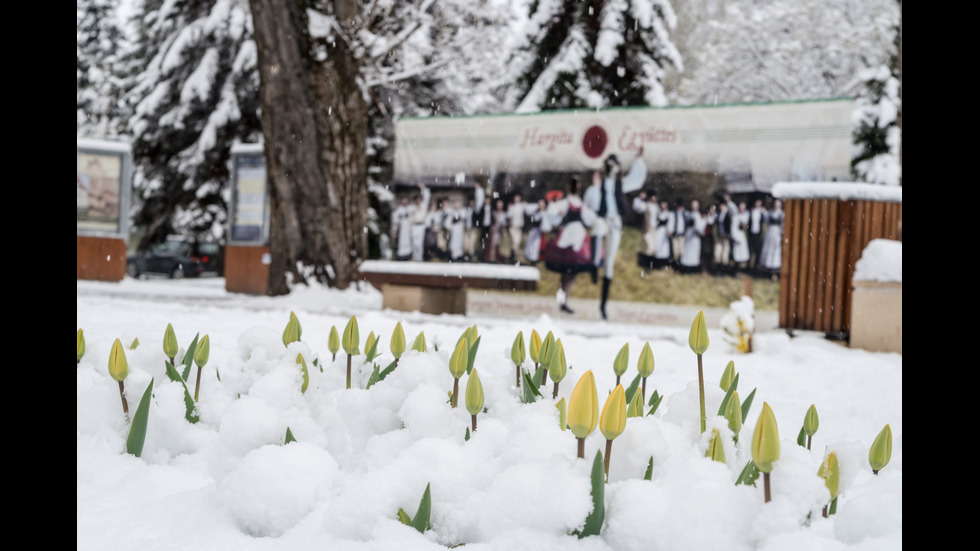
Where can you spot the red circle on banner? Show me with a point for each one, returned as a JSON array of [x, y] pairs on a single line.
[[595, 140]]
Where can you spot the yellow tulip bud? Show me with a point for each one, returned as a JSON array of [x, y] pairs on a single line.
[[397, 341], [419, 343], [811, 422], [79, 346], [333, 341], [698, 339], [170, 342], [546, 350], [203, 351], [612, 422], [459, 359], [765, 440], [351, 339], [474, 393], [534, 345], [733, 413], [727, 376], [562, 414], [558, 368], [645, 364], [716, 450], [517, 349], [881, 450], [830, 473], [622, 360], [293, 330], [118, 365], [306, 373], [635, 408], [583, 406]]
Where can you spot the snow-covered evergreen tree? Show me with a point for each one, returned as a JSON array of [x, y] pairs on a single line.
[[195, 94], [97, 88], [877, 134], [574, 53]]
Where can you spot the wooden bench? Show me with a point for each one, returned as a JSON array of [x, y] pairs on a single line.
[[440, 287]]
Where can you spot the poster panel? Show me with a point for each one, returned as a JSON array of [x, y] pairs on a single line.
[[250, 219], [98, 191]]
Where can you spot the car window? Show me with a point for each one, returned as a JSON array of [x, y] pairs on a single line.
[[208, 248], [171, 247]]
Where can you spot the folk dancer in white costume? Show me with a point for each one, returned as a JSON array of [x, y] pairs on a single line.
[[771, 257]]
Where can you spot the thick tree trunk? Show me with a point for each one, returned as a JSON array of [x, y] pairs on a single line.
[[314, 122]]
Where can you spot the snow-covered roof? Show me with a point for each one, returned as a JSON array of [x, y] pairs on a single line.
[[845, 191], [104, 145], [452, 269], [248, 148], [880, 261]]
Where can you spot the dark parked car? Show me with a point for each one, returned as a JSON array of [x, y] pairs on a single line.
[[177, 258]]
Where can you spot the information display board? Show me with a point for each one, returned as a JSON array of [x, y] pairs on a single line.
[[249, 217], [103, 182]]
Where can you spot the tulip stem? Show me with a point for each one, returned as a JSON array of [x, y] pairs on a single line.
[[555, 393], [701, 396], [518, 369], [643, 392], [824, 511], [474, 422], [606, 460], [581, 448], [544, 377], [617, 381], [872, 470], [396, 364], [348, 371], [808, 439], [334, 357], [197, 386], [455, 391], [126, 405], [765, 479]]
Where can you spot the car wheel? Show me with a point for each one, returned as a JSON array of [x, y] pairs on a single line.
[[132, 270], [178, 272]]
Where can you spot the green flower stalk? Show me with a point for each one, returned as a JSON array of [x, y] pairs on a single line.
[[635, 408], [118, 370], [562, 414], [397, 343], [621, 362], [645, 366], [201, 359], [457, 365], [350, 342], [517, 355], [830, 473], [727, 376], [810, 424], [612, 421], [170, 344], [306, 373], [474, 395], [698, 340], [881, 450], [534, 347], [733, 413], [765, 444], [293, 330], [716, 450], [333, 342], [79, 346], [544, 356], [583, 410], [419, 343], [557, 368]]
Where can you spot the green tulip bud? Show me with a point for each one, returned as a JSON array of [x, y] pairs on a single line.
[[534, 345], [733, 413], [635, 408], [546, 350], [333, 342], [203, 351], [830, 473], [562, 414], [881, 450], [306, 373], [645, 364], [170, 342], [765, 440], [79, 346], [583, 406], [698, 339], [471, 335], [118, 365], [622, 360], [811, 421], [397, 344], [369, 342], [716, 450], [419, 343], [293, 330], [474, 393], [558, 368], [459, 359], [517, 349], [727, 376], [351, 339]]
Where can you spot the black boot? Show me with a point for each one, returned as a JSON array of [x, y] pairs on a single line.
[[605, 295], [594, 273]]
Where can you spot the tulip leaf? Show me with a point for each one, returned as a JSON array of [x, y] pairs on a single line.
[[748, 475], [801, 438], [747, 405], [387, 371], [472, 356], [375, 377], [530, 388], [190, 409], [655, 400], [403, 516], [466, 437], [649, 474], [189, 357], [421, 520], [137, 431], [593, 522], [728, 395], [373, 351], [833, 506], [289, 436], [634, 386]]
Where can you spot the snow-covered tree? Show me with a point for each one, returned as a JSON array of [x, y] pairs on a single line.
[[573, 53], [194, 95], [99, 44], [877, 134]]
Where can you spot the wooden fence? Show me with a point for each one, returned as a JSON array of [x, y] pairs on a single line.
[[823, 238]]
